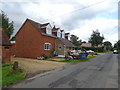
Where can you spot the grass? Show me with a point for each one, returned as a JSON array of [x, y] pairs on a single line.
[[79, 60], [103, 52], [9, 76]]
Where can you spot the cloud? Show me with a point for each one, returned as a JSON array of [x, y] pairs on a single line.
[[68, 15], [107, 27]]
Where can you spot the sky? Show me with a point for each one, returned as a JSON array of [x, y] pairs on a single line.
[[78, 17]]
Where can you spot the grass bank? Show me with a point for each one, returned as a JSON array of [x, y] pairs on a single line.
[[9, 76], [79, 60]]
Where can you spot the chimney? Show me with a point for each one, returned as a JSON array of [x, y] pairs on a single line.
[[67, 36], [61, 33]]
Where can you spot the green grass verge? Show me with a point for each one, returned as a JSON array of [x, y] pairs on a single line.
[[103, 52], [79, 60], [9, 76]]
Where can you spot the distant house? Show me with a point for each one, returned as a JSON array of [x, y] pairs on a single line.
[[4, 47], [88, 45], [63, 44], [34, 39]]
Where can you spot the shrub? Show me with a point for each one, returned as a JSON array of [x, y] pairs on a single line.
[[46, 56], [96, 49]]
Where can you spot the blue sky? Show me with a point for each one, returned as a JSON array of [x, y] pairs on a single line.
[[102, 16]]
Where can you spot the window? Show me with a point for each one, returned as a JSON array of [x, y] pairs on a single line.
[[59, 46], [63, 34], [47, 46], [58, 34], [48, 31], [7, 47], [68, 37]]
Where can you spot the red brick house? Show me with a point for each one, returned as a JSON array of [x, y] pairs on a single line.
[[4, 47], [34, 39]]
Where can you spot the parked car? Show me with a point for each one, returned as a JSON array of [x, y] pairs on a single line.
[[115, 52], [90, 51]]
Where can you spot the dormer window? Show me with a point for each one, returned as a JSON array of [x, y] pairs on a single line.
[[63, 34], [58, 33], [48, 30], [69, 37]]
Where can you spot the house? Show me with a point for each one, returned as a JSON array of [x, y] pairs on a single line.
[[86, 45], [63, 44], [4, 47], [89, 45], [34, 39]]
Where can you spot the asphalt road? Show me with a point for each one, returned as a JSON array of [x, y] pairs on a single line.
[[99, 72]]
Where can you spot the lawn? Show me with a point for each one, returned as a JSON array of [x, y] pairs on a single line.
[[79, 60], [9, 76]]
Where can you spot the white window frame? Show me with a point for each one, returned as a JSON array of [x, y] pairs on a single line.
[[48, 30], [46, 46], [63, 34], [69, 37], [59, 34]]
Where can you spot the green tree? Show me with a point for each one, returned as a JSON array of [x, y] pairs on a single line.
[[96, 39], [117, 45], [7, 26], [75, 41], [107, 45]]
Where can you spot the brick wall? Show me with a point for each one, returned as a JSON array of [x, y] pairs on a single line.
[[30, 42], [5, 55], [12, 49], [60, 51]]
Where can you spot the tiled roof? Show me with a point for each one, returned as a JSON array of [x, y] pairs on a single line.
[[55, 29], [39, 26], [67, 33], [61, 30], [42, 25], [4, 40], [89, 45], [66, 42], [86, 44]]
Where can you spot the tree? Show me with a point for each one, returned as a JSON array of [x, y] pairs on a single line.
[[96, 39], [7, 26], [107, 45], [117, 45], [75, 41]]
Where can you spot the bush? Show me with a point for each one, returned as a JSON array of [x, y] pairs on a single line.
[[46, 56], [96, 49]]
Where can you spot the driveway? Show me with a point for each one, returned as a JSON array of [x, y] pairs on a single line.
[[32, 66], [99, 72]]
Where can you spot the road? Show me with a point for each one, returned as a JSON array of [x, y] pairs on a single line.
[[99, 72]]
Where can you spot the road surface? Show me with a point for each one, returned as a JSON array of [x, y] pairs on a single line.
[[99, 72]]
